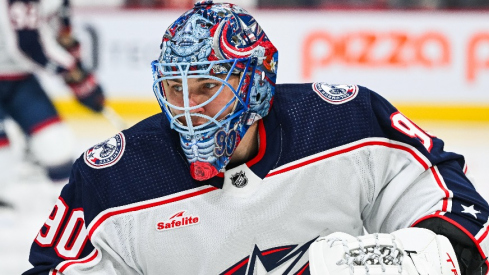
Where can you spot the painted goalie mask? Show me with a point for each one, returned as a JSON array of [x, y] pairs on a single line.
[[214, 78]]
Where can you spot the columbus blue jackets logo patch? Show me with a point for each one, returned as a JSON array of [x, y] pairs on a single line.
[[106, 153], [335, 94]]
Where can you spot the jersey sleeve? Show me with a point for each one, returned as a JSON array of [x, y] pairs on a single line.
[[63, 244], [417, 181], [63, 237]]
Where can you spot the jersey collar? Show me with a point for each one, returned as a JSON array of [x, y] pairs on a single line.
[[270, 148]]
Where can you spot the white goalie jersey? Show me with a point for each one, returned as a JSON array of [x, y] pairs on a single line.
[[331, 158]]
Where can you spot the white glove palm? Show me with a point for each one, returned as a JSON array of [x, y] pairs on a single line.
[[409, 251]]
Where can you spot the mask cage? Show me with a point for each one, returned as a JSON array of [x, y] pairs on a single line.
[[187, 70]]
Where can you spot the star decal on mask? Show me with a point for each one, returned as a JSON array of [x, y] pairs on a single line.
[[273, 65], [470, 210]]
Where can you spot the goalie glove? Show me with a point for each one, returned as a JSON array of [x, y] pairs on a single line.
[[409, 251], [85, 88]]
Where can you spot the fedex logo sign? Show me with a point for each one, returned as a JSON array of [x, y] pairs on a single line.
[[392, 49]]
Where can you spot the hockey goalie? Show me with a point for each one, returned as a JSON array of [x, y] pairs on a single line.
[[241, 175]]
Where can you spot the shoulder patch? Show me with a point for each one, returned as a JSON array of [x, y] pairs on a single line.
[[107, 153], [335, 94]]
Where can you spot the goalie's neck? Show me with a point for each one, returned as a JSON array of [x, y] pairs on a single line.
[[247, 148]]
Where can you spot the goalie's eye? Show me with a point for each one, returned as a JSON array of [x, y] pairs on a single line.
[[177, 88], [210, 85]]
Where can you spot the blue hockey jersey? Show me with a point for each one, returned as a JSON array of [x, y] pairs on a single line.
[[331, 158]]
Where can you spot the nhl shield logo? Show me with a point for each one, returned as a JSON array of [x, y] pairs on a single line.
[[335, 94], [107, 153], [239, 179]]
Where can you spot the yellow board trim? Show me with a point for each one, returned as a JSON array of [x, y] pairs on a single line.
[[125, 108], [460, 113], [415, 111]]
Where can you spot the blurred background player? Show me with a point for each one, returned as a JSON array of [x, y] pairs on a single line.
[[35, 36]]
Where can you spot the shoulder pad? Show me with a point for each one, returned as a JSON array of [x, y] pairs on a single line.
[[107, 153], [335, 93]]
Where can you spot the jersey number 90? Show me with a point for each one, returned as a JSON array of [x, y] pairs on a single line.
[[407, 127], [71, 239]]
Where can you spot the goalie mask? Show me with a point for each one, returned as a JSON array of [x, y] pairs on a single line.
[[214, 78]]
